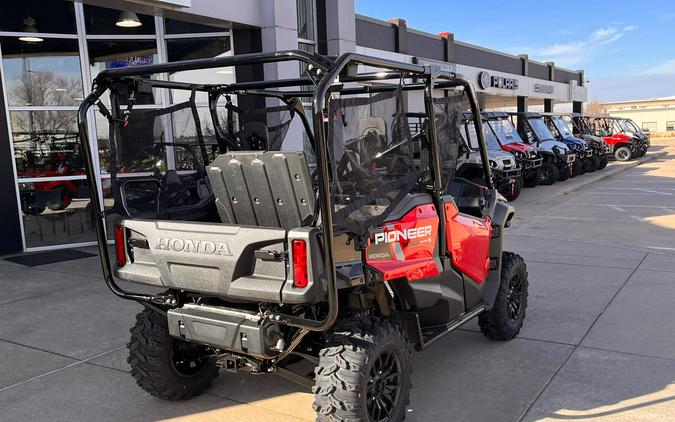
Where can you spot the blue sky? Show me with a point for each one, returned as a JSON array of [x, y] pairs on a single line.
[[626, 47]]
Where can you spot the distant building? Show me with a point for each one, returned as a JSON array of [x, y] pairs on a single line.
[[656, 115]]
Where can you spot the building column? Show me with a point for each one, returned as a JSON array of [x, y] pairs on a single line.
[[481, 99], [10, 229], [401, 26], [577, 107], [280, 32], [336, 27], [548, 105], [522, 108], [522, 104]]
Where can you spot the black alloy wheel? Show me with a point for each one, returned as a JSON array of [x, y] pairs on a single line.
[[384, 387], [189, 359], [514, 297]]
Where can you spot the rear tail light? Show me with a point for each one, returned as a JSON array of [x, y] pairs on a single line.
[[300, 276], [120, 246]]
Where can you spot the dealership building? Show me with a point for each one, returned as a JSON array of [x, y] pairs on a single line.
[[50, 52], [655, 115]]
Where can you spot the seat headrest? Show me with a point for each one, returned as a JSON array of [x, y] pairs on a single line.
[[378, 124]]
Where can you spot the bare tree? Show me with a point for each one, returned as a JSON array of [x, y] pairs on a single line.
[[596, 108], [45, 88]]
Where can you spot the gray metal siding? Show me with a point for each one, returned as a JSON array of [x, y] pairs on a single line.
[[538, 71], [374, 35], [564, 76], [427, 47], [479, 58]]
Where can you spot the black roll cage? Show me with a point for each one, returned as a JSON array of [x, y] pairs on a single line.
[[329, 77]]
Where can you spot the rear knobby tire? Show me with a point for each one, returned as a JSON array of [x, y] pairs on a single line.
[[352, 366], [603, 162], [165, 367], [505, 319]]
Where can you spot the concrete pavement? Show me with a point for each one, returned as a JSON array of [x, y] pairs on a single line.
[[597, 343]]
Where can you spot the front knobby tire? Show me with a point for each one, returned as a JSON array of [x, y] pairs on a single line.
[[548, 173], [505, 319], [165, 367], [363, 372], [623, 154], [511, 193], [603, 162], [593, 163], [532, 180]]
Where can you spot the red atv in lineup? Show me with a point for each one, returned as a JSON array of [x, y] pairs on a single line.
[[625, 144], [342, 252]]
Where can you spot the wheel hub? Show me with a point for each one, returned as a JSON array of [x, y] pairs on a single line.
[[188, 358]]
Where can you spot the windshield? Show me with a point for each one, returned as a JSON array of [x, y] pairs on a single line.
[[506, 132], [561, 125], [625, 127], [540, 129], [581, 126], [490, 140], [631, 126]]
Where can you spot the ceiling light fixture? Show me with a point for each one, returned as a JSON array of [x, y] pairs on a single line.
[[29, 26], [128, 20]]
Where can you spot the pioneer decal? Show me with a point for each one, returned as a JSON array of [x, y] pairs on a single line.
[[398, 235], [194, 246]]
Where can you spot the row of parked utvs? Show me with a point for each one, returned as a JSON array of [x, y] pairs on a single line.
[[325, 256], [529, 149]]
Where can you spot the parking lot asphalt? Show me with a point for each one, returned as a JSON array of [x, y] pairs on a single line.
[[598, 341]]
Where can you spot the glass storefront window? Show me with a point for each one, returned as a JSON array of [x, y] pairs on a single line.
[[306, 19], [199, 48], [46, 143], [42, 74], [173, 26], [55, 17], [104, 21], [56, 212], [111, 54]]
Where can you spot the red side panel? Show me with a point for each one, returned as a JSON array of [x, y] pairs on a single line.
[[469, 242], [405, 248], [617, 138], [517, 146]]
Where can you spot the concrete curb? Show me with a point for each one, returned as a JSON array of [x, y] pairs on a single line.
[[608, 173]]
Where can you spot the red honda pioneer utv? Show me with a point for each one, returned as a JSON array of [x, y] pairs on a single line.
[[340, 247], [627, 127], [623, 146]]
